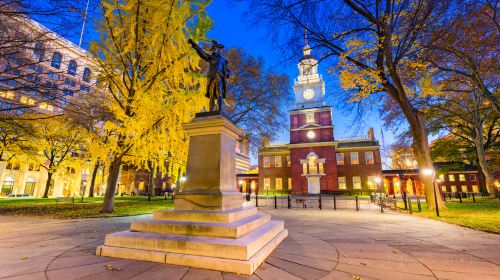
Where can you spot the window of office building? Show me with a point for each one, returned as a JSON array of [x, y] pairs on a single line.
[[267, 162], [267, 183], [369, 157], [340, 159], [342, 183], [277, 161], [279, 183]]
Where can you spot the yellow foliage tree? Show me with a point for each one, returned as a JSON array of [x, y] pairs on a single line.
[[146, 72]]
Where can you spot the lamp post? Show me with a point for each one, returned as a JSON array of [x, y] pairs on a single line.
[[378, 180], [431, 172]]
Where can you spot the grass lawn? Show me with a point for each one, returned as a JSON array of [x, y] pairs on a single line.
[[482, 215], [89, 208]]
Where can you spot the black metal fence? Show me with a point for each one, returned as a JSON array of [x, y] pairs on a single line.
[[312, 201]]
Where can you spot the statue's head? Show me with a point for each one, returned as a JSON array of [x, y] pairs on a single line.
[[216, 47]]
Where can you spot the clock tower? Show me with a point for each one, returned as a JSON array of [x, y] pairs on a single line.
[[309, 86], [312, 146]]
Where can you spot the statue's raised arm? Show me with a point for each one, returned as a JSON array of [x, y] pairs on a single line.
[[205, 56]]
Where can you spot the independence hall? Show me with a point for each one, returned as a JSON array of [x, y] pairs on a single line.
[[315, 161]]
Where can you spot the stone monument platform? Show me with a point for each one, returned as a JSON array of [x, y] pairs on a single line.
[[209, 227]]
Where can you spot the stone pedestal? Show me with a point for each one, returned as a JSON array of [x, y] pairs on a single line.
[[209, 227]]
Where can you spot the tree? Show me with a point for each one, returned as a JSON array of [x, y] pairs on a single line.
[[146, 67], [58, 142], [376, 44], [463, 113], [256, 97], [465, 51]]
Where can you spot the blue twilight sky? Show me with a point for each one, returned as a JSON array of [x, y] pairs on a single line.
[[232, 28]]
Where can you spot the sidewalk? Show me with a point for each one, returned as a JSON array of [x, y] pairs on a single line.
[[323, 244]]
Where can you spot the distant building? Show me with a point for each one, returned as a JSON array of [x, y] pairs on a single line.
[[314, 161]]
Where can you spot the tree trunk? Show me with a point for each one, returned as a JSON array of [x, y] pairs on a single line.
[[47, 184], [483, 163], [94, 176], [482, 182], [421, 150], [109, 196], [151, 187]]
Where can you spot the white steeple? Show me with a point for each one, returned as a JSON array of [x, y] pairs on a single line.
[[309, 86]]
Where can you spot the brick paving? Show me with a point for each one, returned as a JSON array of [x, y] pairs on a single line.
[[323, 244]]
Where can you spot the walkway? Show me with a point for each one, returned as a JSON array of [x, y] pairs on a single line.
[[323, 244]]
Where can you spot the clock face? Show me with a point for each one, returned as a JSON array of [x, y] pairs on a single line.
[[308, 94], [311, 134]]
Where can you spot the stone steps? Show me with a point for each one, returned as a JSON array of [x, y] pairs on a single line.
[[234, 229], [242, 248], [223, 216]]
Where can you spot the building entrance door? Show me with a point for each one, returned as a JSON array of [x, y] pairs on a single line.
[[313, 185]]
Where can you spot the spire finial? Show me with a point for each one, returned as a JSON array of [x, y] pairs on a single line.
[[307, 49]]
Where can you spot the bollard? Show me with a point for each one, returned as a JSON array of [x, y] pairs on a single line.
[[256, 201], [275, 202], [444, 197], [320, 206], [395, 204], [289, 202], [404, 200], [334, 203], [460, 196], [409, 205], [381, 205], [418, 204], [357, 204], [473, 198]]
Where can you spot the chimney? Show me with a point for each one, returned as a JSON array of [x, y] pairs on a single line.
[[371, 134]]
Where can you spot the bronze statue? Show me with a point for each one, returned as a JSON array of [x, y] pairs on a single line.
[[218, 72]]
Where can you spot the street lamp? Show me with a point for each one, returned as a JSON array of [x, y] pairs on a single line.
[[378, 180], [431, 172]]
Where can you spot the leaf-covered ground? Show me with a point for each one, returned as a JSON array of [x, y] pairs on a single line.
[[89, 208], [484, 214]]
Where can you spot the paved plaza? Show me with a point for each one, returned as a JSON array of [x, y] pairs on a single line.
[[323, 244]]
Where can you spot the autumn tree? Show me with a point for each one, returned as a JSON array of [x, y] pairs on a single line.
[[376, 46], [464, 113], [58, 141], [145, 66], [256, 97]]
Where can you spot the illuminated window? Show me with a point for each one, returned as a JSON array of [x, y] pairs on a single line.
[[443, 188], [461, 177], [472, 177], [453, 188], [369, 157], [451, 178], [288, 162], [354, 158], [475, 188], [340, 159], [267, 183], [279, 184], [464, 188], [277, 161], [310, 117], [321, 169], [289, 183], [313, 166], [371, 182], [342, 184], [267, 162], [7, 94], [356, 182], [24, 99], [441, 177], [304, 168]]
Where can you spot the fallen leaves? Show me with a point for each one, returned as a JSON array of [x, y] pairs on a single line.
[[111, 268], [356, 277], [24, 258]]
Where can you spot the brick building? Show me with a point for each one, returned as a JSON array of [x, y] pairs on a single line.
[[314, 161]]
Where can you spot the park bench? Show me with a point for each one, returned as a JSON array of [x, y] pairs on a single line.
[[65, 199], [301, 201]]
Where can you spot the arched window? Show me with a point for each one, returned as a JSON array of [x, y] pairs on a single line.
[[312, 163], [86, 74], [72, 68], [38, 51], [56, 60]]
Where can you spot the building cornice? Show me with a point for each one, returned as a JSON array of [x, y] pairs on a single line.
[[310, 128], [355, 149], [274, 153], [310, 110], [314, 144]]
